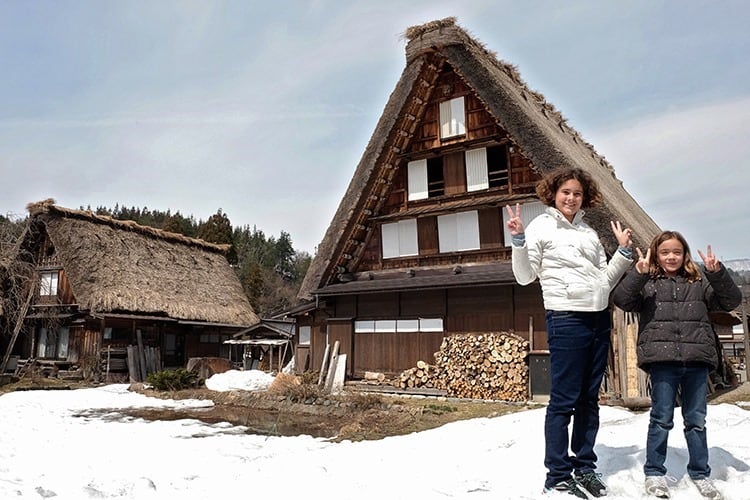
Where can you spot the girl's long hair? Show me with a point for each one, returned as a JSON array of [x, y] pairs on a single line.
[[547, 187], [689, 268]]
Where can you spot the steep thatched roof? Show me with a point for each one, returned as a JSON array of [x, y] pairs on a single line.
[[534, 125], [121, 267]]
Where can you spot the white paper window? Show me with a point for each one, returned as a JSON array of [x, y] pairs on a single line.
[[431, 324], [476, 170], [399, 325], [304, 335], [62, 343], [385, 326], [364, 326], [458, 232], [417, 173], [407, 325], [400, 238], [41, 346], [452, 118], [49, 282], [529, 211]]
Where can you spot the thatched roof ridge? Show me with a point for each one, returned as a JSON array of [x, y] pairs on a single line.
[[48, 206], [446, 33], [122, 268], [534, 124]]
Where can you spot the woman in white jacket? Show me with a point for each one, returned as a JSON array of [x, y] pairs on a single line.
[[567, 257]]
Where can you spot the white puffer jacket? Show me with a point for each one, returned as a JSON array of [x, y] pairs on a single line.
[[569, 261]]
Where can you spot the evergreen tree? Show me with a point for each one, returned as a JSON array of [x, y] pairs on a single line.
[[218, 229]]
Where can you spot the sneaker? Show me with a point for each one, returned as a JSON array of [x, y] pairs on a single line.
[[707, 489], [591, 482], [569, 487], [656, 486]]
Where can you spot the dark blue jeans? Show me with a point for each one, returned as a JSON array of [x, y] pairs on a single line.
[[693, 384], [579, 349]]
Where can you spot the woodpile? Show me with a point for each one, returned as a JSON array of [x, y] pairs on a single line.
[[483, 366], [423, 375]]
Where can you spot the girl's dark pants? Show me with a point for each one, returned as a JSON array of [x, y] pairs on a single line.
[[579, 350]]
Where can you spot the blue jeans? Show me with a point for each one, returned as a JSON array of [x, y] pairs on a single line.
[[579, 350], [692, 382]]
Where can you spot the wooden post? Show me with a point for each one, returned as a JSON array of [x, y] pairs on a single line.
[[745, 334], [332, 367], [323, 365], [141, 354], [531, 333]]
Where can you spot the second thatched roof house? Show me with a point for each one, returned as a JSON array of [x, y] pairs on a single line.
[[105, 284]]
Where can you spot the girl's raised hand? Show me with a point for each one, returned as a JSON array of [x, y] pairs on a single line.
[[514, 224], [642, 265], [710, 260]]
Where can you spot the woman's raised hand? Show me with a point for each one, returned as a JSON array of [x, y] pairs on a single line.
[[514, 224], [709, 260], [623, 235]]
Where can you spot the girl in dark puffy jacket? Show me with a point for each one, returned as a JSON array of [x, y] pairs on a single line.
[[676, 347]]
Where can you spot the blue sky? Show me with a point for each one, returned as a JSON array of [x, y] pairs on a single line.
[[263, 110]]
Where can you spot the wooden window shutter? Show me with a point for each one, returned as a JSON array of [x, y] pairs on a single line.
[[428, 235], [490, 228], [476, 170], [455, 173], [417, 179]]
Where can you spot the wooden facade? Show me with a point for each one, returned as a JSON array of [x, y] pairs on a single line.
[[467, 310], [417, 249]]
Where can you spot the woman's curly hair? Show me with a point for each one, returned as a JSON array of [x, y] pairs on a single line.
[[547, 187]]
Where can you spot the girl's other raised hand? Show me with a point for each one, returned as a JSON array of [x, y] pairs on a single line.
[[643, 265], [514, 224], [709, 260]]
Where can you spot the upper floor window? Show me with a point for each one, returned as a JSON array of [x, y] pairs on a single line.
[[476, 169], [425, 178], [399, 239], [452, 118], [49, 283], [486, 168], [458, 232]]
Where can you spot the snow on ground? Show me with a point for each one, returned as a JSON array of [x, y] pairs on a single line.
[[75, 445]]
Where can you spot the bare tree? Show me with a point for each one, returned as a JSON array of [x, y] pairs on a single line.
[[18, 282]]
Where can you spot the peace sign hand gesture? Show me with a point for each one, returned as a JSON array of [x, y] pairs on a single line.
[[623, 235], [643, 264], [709, 260], [514, 224]]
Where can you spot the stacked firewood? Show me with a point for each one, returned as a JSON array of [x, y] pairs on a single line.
[[483, 366], [423, 375]]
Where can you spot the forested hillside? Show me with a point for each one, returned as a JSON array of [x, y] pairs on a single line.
[[269, 267]]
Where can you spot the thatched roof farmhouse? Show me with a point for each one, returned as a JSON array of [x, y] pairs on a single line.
[[417, 249]]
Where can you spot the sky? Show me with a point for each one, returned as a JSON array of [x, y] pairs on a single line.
[[80, 444], [264, 109]]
